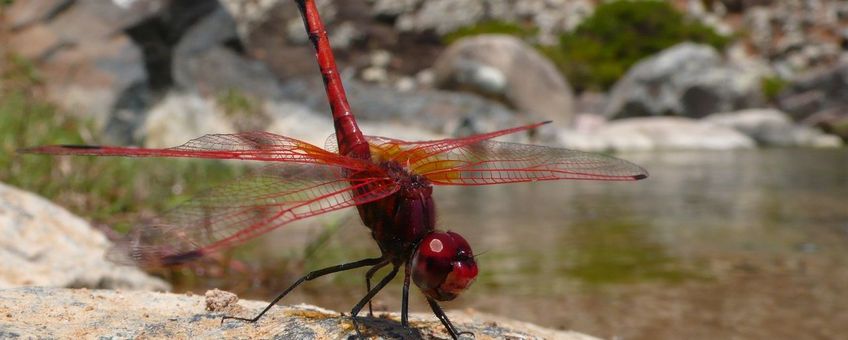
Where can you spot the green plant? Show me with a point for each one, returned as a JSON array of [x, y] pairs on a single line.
[[620, 33], [104, 189], [490, 27], [772, 86]]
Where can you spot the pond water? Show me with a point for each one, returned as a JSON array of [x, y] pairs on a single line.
[[742, 244]]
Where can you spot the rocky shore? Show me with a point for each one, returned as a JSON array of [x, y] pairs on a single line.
[[60, 313]]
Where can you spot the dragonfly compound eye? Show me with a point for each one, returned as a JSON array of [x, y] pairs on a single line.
[[443, 265]]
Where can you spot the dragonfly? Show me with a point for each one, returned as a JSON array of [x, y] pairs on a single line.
[[389, 181]]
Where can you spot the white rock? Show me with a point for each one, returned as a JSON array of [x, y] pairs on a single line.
[[42, 244], [181, 117], [656, 133], [771, 127]]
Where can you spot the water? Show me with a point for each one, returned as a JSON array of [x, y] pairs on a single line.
[[746, 244]]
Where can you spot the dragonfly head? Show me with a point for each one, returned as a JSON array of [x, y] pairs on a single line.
[[443, 265]]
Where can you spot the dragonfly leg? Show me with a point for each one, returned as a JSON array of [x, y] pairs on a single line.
[[404, 306], [368, 277], [454, 333], [310, 276], [356, 309]]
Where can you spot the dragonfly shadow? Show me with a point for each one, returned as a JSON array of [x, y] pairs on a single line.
[[382, 327]]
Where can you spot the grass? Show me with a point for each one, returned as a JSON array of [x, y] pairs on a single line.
[[104, 189]]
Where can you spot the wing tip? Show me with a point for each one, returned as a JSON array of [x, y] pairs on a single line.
[[55, 149], [181, 258], [640, 176]]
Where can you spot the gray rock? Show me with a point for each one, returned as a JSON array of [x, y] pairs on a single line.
[[42, 244], [551, 17], [438, 112], [773, 128], [94, 77], [816, 91], [23, 13], [202, 64], [92, 66], [657, 133], [833, 120], [504, 66], [104, 314], [688, 79]]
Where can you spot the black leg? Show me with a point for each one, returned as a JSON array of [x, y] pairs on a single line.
[[307, 277], [368, 277], [380, 285], [444, 319], [404, 305]]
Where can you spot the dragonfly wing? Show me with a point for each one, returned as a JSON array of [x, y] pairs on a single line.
[[254, 145], [476, 160], [239, 211]]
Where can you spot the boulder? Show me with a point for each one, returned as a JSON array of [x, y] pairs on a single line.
[[180, 117], [833, 120], [203, 48], [816, 91], [436, 112], [91, 66], [771, 127], [37, 312], [689, 80], [42, 244], [656, 133], [504, 66]]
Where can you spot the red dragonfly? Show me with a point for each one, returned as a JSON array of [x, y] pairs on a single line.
[[389, 181]]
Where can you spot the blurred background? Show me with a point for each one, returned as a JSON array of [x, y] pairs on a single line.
[[737, 108]]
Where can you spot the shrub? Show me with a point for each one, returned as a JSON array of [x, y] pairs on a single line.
[[772, 86], [490, 27], [620, 33]]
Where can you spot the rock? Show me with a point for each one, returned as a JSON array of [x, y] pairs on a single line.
[[437, 112], [202, 49], [293, 119], [833, 120], [442, 16], [773, 128], [23, 13], [180, 117], [94, 78], [42, 244], [69, 313], [816, 91], [687, 79], [249, 14], [504, 66], [657, 133], [92, 66]]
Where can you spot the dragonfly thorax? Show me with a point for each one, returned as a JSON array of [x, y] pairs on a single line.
[[411, 185]]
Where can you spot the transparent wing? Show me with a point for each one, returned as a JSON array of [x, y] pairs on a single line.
[[476, 160], [239, 211], [255, 145]]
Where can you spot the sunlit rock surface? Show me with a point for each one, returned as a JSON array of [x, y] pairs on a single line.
[[82, 313], [42, 244], [506, 67], [771, 127], [689, 80], [656, 133]]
